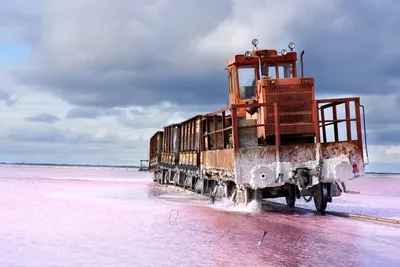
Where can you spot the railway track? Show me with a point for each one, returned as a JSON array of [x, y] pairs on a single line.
[[363, 217], [345, 215], [392, 222]]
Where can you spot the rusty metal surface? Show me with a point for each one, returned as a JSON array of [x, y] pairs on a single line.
[[293, 119], [188, 158], [190, 134], [171, 144], [298, 154], [350, 148], [168, 158], [155, 148], [294, 156], [247, 158], [218, 159]]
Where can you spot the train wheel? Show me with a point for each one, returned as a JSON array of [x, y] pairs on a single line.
[[291, 198], [321, 197]]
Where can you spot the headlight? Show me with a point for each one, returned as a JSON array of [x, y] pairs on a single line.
[[247, 54], [283, 52], [254, 42], [291, 45]]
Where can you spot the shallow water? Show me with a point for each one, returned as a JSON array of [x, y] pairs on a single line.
[[116, 219]]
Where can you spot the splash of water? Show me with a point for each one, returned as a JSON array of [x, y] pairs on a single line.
[[227, 204]]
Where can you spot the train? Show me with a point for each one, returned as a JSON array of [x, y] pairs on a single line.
[[273, 139]]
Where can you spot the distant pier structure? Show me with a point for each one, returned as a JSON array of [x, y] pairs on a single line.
[[144, 165]]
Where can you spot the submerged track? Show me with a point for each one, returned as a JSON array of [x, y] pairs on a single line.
[[333, 213], [342, 214]]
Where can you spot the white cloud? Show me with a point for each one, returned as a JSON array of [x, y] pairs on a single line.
[[384, 154], [270, 22]]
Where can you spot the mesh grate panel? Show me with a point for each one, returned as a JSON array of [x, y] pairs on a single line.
[[296, 118]]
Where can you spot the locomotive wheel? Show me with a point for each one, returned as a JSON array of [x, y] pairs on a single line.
[[291, 198], [321, 197]]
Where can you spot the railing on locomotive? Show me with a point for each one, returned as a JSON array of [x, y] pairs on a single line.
[[209, 118], [320, 122]]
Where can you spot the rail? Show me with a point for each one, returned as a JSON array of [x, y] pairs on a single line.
[[341, 214]]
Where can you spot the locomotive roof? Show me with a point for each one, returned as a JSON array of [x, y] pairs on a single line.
[[268, 54], [194, 117], [172, 124], [158, 132], [179, 123]]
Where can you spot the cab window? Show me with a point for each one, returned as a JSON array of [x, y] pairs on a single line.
[[269, 70], [285, 70], [247, 82]]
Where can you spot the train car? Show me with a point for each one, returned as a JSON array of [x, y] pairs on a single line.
[[273, 139], [156, 145]]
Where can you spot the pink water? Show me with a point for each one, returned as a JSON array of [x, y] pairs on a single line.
[[112, 218]]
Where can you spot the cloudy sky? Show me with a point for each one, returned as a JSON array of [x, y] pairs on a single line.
[[90, 81]]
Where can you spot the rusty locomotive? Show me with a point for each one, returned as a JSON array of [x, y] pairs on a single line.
[[273, 139]]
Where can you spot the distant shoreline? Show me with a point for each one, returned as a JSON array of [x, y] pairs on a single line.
[[369, 174], [66, 166]]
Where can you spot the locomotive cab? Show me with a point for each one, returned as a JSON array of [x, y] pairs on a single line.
[[266, 76], [245, 73]]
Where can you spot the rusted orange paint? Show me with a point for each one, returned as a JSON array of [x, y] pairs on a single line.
[[219, 159]]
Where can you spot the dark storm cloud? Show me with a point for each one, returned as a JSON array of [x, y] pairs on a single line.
[[157, 116], [119, 58], [20, 20], [353, 50], [382, 119], [384, 136], [146, 90], [43, 117], [138, 59]]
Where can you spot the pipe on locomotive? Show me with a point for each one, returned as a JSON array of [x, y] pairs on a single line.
[[301, 63]]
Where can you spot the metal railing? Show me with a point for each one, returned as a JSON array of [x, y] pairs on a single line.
[[333, 105], [313, 125], [211, 128]]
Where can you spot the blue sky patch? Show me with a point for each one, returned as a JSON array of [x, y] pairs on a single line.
[[13, 54]]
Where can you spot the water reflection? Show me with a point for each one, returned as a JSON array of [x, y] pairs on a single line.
[[126, 224], [294, 238]]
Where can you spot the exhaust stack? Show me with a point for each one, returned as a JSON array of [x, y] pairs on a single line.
[[301, 63]]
